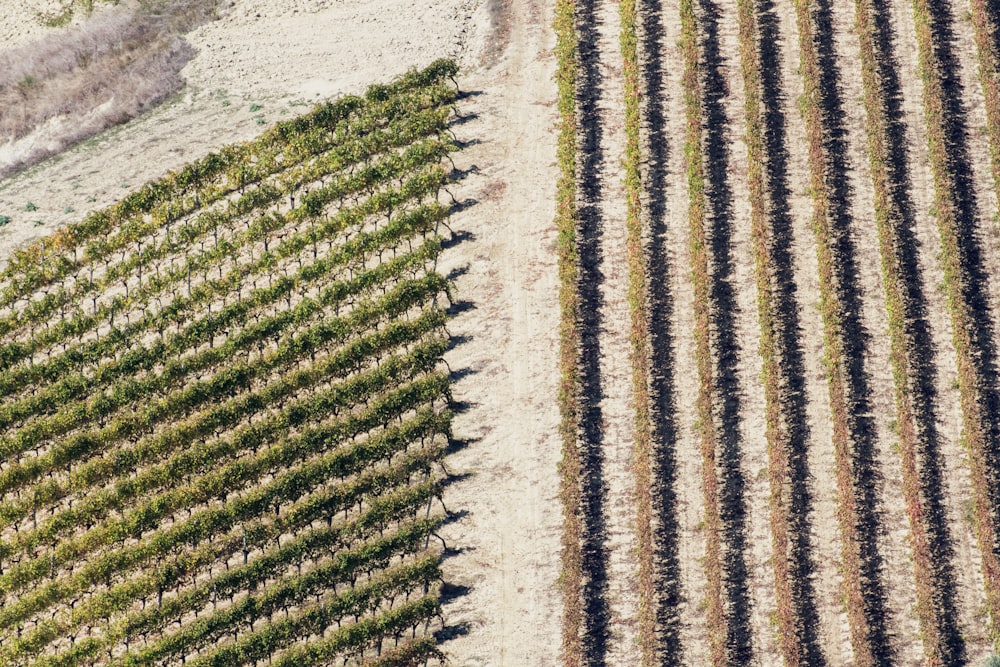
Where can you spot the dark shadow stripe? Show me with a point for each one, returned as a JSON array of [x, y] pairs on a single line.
[[788, 336], [724, 314], [663, 409]]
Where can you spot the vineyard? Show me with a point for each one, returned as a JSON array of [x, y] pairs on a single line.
[[806, 240], [224, 406], [672, 338]]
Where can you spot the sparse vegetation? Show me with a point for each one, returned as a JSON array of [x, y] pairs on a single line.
[[639, 337], [130, 56]]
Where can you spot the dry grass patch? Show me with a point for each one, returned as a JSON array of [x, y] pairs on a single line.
[[109, 69]]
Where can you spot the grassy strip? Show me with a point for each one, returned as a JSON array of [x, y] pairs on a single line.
[[570, 491], [986, 52], [866, 637], [956, 279], [887, 211], [639, 355], [702, 300], [777, 435]]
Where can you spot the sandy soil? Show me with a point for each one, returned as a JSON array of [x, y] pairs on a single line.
[[19, 24], [284, 55]]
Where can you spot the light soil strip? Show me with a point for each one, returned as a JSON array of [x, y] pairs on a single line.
[[954, 457], [509, 539], [754, 457], [616, 372], [834, 630], [894, 539]]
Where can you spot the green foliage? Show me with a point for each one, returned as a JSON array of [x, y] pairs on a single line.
[[234, 375]]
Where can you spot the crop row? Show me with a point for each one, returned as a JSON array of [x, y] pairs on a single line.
[[238, 511], [667, 597], [206, 457], [101, 608], [780, 345], [570, 485], [222, 412], [177, 371], [71, 391], [391, 503], [694, 161], [425, 181], [344, 564], [367, 633], [136, 521], [415, 157], [911, 351], [181, 405], [966, 280], [589, 234], [845, 339], [176, 368], [716, 347], [639, 327], [984, 22], [134, 358]]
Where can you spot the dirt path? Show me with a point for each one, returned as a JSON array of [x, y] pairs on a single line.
[[509, 538]]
